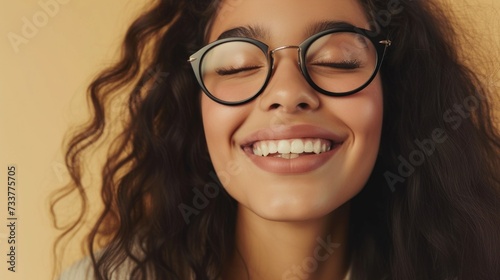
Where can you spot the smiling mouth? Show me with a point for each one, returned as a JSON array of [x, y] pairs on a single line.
[[290, 148]]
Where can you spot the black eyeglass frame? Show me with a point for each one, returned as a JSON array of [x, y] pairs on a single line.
[[380, 42]]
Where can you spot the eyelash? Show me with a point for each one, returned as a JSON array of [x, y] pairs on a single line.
[[232, 70], [347, 64]]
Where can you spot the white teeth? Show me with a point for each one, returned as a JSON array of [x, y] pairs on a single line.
[[273, 148], [290, 148], [297, 146], [289, 156], [284, 147], [265, 150], [317, 147], [308, 146]]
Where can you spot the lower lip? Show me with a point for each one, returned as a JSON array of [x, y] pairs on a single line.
[[302, 164]]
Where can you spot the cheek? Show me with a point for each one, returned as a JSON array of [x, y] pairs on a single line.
[[219, 124], [214, 125], [362, 114]]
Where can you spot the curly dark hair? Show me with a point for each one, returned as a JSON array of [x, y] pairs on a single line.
[[430, 210]]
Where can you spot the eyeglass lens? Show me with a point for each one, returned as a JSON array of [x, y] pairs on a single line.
[[337, 62]]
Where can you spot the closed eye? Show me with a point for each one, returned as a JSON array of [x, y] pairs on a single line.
[[347, 65], [233, 70]]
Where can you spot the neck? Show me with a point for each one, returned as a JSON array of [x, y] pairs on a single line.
[[313, 249]]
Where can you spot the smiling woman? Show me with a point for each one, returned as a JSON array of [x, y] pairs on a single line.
[[274, 147]]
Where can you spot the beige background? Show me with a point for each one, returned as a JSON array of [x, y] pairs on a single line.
[[42, 88]]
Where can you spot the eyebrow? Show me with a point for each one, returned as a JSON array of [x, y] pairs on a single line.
[[325, 25], [250, 31], [260, 33]]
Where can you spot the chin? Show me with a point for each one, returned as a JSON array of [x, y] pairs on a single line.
[[296, 209]]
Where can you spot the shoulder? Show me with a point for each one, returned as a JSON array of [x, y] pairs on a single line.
[[81, 270]]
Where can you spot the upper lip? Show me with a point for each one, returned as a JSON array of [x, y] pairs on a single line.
[[292, 132]]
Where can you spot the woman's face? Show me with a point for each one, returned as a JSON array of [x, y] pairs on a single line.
[[290, 112]]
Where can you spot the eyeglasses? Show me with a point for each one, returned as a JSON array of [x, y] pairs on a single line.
[[335, 62]]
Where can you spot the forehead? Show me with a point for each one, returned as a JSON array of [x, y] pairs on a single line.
[[284, 21]]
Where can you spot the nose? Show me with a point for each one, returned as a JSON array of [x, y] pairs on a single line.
[[288, 90]]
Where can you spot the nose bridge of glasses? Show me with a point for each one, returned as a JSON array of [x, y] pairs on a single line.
[[273, 51], [283, 48]]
